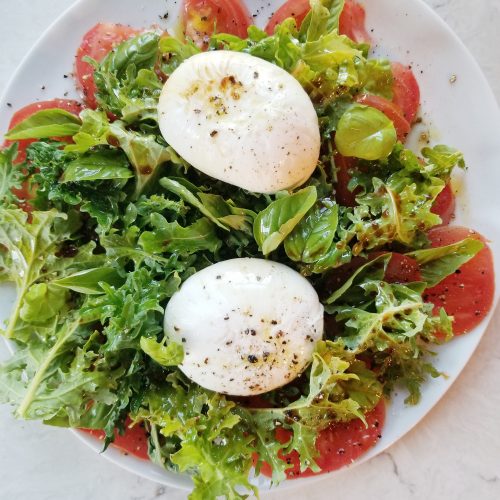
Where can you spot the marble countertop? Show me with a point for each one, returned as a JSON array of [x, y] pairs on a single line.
[[453, 453]]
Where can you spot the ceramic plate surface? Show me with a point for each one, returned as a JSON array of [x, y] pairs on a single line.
[[463, 114]]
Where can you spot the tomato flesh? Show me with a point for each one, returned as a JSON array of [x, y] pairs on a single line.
[[338, 445], [133, 442], [20, 115], [69, 105], [203, 17], [351, 22], [343, 195], [406, 91], [468, 294], [97, 43], [391, 110], [444, 206], [298, 9]]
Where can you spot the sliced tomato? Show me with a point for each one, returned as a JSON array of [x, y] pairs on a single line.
[[391, 110], [402, 269], [338, 445], [298, 9], [67, 104], [444, 206], [204, 17], [343, 195], [468, 294], [20, 115], [133, 442], [406, 91], [97, 43], [351, 22]]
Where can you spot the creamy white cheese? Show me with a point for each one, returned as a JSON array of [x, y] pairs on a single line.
[[241, 120], [247, 325]]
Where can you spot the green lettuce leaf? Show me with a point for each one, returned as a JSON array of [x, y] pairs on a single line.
[[170, 354]]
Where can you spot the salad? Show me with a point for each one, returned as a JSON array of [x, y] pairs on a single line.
[[225, 257]]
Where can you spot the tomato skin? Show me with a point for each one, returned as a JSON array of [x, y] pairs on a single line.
[[391, 110], [200, 17], [338, 445], [298, 9], [343, 195], [444, 206], [468, 294], [69, 105], [351, 22], [406, 91], [133, 442], [402, 269], [97, 43]]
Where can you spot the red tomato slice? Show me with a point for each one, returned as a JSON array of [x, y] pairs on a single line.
[[391, 110], [298, 9], [343, 195], [468, 294], [406, 91], [338, 446], [444, 206], [97, 43], [133, 442], [66, 104], [201, 17], [402, 269], [20, 115], [351, 22]]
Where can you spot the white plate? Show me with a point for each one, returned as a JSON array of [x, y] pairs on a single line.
[[463, 114]]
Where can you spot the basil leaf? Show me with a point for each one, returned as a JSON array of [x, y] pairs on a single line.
[[313, 236], [366, 133], [87, 281], [141, 51], [277, 221], [438, 263], [44, 124], [103, 165]]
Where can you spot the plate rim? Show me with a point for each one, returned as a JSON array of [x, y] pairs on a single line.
[[114, 455]]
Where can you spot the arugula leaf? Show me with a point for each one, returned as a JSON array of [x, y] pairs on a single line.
[[44, 124], [11, 175], [176, 52], [171, 237], [437, 263], [277, 221], [365, 132], [53, 378], [164, 354], [29, 249], [88, 281]]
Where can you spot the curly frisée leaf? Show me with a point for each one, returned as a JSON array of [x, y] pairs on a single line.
[[365, 132], [170, 354], [277, 221], [11, 176]]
